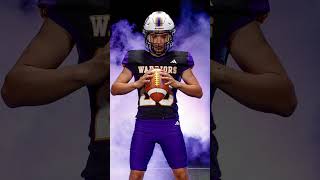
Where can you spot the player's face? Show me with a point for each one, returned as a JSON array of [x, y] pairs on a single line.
[[158, 41]]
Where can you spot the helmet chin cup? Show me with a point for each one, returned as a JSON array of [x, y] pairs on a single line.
[[158, 53]]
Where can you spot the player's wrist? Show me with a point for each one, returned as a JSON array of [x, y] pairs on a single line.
[[219, 73], [86, 73], [134, 85], [179, 85], [79, 73]]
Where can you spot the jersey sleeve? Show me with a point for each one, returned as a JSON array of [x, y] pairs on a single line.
[[125, 62], [62, 18], [189, 63]]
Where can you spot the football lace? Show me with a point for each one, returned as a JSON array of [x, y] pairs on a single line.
[[157, 79]]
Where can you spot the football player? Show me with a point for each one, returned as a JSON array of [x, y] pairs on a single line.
[[36, 79], [263, 83], [157, 122]]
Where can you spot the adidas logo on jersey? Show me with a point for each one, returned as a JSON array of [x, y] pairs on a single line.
[[174, 61], [177, 123]]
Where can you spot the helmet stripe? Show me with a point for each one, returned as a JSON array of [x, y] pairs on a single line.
[[159, 21]]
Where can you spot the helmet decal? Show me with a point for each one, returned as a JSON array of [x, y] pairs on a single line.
[[159, 21]]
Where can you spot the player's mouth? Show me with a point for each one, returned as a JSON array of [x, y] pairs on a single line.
[[159, 47]]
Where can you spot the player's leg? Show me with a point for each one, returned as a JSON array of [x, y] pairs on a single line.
[[141, 150], [181, 174], [136, 175], [174, 149], [215, 173], [98, 163]]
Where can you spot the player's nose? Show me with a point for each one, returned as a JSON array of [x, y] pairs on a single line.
[[158, 39]]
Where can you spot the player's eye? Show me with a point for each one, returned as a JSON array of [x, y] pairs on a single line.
[[153, 35]]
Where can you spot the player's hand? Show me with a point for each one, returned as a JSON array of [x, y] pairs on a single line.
[[170, 80], [96, 70], [217, 72], [143, 79]]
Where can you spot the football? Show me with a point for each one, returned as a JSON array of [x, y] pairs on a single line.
[[156, 88]]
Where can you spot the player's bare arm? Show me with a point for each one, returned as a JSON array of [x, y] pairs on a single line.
[[263, 84], [96, 70], [190, 86], [35, 79], [122, 86]]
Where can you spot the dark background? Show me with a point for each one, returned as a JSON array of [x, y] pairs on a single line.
[[137, 11]]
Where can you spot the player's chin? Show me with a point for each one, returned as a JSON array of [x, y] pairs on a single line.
[[159, 51], [159, 54]]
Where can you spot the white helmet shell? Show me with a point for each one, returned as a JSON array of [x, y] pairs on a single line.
[[158, 21]]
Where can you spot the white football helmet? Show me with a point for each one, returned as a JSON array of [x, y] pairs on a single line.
[[158, 22]]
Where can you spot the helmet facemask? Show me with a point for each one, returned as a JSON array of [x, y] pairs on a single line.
[[158, 42]]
